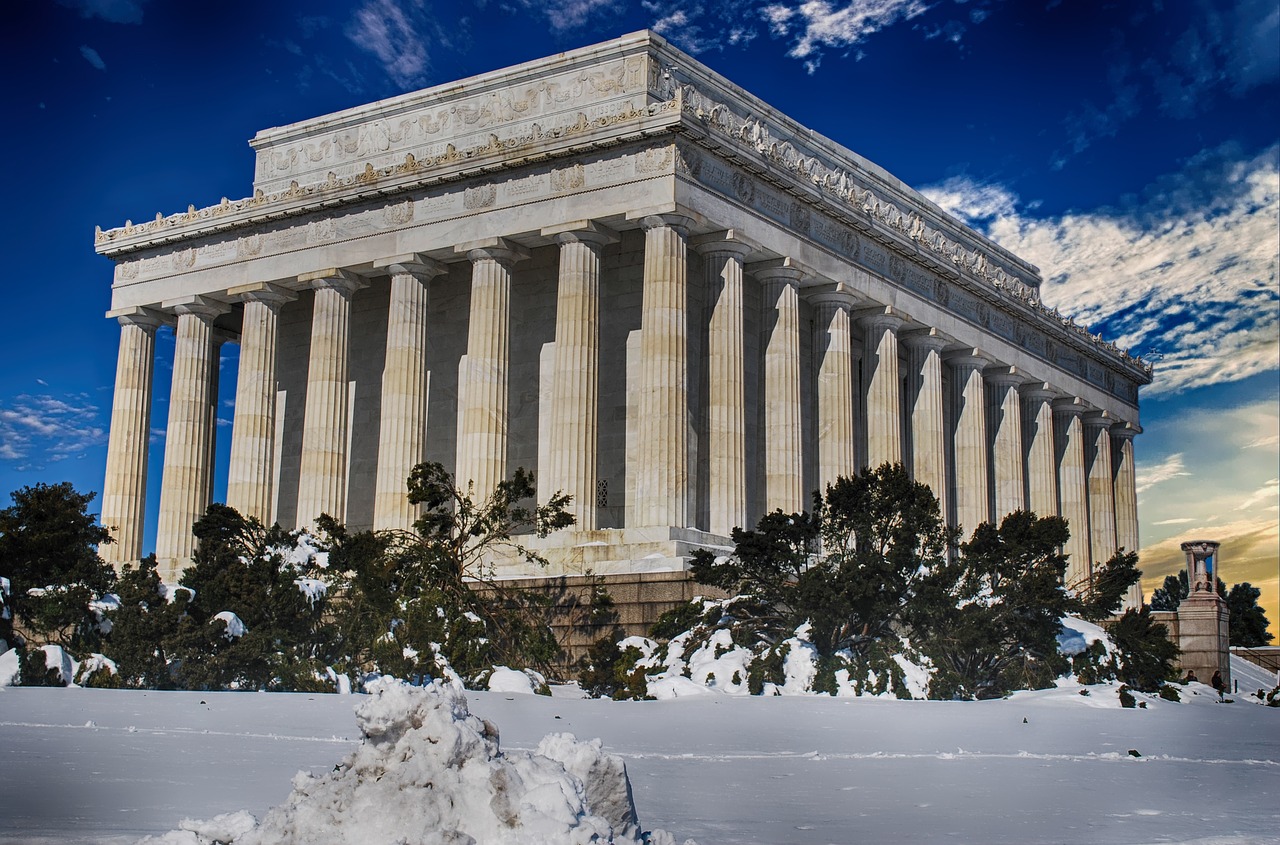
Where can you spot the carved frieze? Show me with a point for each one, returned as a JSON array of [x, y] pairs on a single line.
[[400, 213], [568, 178], [481, 196]]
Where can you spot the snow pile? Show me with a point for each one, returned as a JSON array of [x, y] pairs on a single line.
[[430, 773], [506, 679]]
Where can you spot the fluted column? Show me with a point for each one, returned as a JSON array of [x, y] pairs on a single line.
[[662, 476], [723, 254], [251, 473], [482, 387], [322, 481], [1005, 420], [124, 490], [1126, 495], [884, 387], [184, 487], [402, 426], [928, 421], [1073, 500], [970, 441], [1102, 497], [1041, 455], [833, 348], [783, 458], [575, 404]]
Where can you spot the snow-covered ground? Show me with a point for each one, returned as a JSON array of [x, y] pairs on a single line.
[[104, 766]]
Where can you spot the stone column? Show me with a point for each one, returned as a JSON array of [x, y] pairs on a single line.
[[1041, 460], [322, 478], [184, 487], [1073, 500], [884, 387], [402, 424], [783, 435], [928, 422], [833, 348], [482, 389], [970, 441], [251, 474], [1102, 496], [575, 404], [1126, 495], [663, 477], [723, 254], [124, 490], [1005, 421]]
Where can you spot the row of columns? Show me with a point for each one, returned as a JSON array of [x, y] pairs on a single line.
[[1004, 444]]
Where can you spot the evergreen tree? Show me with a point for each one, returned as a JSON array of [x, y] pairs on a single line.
[[1248, 620], [145, 626], [48, 555], [996, 628], [241, 568], [1144, 654], [1169, 596], [1110, 584]]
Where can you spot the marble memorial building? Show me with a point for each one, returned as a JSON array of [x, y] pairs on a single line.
[[617, 269]]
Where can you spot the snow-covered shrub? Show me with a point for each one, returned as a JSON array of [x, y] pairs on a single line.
[[429, 772]]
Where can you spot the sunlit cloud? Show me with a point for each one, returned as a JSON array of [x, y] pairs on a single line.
[[1188, 274], [1170, 468]]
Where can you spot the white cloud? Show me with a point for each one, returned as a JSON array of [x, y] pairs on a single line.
[[38, 429], [1149, 476], [91, 56], [1188, 274], [569, 14], [112, 11], [1268, 494], [1179, 521], [817, 24], [391, 32]]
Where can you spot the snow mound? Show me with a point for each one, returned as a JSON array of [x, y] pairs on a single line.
[[430, 773]]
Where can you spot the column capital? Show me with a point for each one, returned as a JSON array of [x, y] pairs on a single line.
[[1070, 406], [581, 231], [412, 264], [1041, 391], [272, 295], [930, 340], [1125, 430], [1098, 419], [731, 241], [778, 270], [1005, 376], [881, 316], [500, 250], [198, 306], [670, 215], [970, 358], [144, 318], [344, 282]]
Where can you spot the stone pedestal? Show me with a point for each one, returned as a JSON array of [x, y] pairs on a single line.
[[1204, 622]]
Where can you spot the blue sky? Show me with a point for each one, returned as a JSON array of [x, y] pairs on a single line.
[[1129, 149]]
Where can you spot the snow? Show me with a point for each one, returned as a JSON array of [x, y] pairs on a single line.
[[504, 679], [722, 769], [312, 588], [428, 771], [235, 627], [9, 667]]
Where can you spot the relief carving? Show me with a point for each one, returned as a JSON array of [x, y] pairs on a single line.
[[688, 160], [481, 196], [321, 231], [184, 259], [250, 245], [568, 178], [800, 217], [400, 213], [127, 270], [655, 160], [897, 269]]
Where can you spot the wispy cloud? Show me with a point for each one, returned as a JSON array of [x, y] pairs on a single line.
[[1182, 520], [112, 11], [569, 14], [91, 56], [36, 430], [1188, 273], [1172, 467], [396, 35], [1090, 122], [815, 25]]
